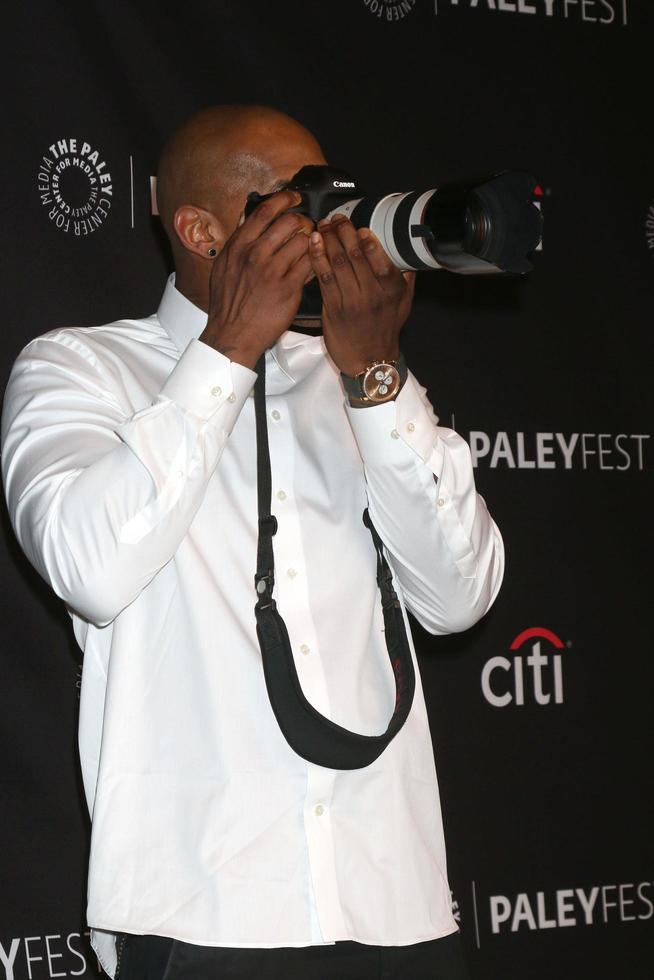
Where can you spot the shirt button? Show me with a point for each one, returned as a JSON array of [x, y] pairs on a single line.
[[441, 501], [275, 414], [281, 495], [216, 391], [410, 427], [319, 810], [395, 434], [232, 398], [305, 649], [291, 572]]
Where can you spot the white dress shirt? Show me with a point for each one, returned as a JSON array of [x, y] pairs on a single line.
[[129, 468]]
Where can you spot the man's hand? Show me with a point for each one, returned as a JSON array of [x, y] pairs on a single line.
[[366, 299], [256, 281]]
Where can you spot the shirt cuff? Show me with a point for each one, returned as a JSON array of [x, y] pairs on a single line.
[[384, 432], [203, 380]]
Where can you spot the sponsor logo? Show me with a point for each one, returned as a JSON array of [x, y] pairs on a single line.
[[558, 450], [566, 907], [75, 186], [343, 183], [456, 909], [56, 955], [649, 228], [603, 12], [494, 915], [390, 9], [536, 678]]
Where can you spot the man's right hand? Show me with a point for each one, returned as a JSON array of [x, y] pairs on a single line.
[[256, 281]]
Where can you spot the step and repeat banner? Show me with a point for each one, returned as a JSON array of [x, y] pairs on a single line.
[[541, 714]]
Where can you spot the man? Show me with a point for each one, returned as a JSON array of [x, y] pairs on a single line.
[[129, 466]]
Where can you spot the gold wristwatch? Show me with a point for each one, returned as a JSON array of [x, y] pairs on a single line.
[[377, 383]]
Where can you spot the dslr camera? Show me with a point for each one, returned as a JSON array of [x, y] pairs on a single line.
[[474, 227]]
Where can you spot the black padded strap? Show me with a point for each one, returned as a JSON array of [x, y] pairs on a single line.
[[265, 576], [309, 733]]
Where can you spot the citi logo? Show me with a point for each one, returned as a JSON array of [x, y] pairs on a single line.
[[536, 677], [343, 183]]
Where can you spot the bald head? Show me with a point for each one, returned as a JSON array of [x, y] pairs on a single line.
[[220, 154]]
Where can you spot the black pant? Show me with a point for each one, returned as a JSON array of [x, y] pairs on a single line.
[[158, 958]]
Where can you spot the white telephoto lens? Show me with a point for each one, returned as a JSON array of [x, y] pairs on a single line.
[[383, 221]]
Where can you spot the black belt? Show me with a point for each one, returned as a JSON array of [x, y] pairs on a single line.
[[309, 733]]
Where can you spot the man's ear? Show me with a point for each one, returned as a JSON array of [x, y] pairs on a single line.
[[198, 231]]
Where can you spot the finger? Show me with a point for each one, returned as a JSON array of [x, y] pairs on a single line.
[[259, 253], [289, 253], [349, 240], [264, 215], [322, 267], [338, 257], [410, 280], [300, 272], [281, 231], [383, 269]]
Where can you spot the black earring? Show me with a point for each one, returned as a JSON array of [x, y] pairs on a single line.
[[212, 252]]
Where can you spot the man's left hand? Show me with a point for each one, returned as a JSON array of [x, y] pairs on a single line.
[[366, 299]]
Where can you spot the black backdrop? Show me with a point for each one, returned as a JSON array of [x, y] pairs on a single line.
[[547, 803]]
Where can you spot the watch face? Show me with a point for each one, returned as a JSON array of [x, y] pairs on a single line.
[[381, 382]]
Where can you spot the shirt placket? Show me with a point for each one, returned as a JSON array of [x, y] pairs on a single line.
[[292, 595]]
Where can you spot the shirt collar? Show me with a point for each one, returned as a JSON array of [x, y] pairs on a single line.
[[294, 353]]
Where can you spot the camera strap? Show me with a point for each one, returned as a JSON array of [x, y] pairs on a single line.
[[310, 734]]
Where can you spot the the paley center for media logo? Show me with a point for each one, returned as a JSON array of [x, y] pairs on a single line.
[[390, 10], [649, 228], [75, 186], [531, 673]]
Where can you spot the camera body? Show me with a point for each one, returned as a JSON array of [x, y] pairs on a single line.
[[324, 190]]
